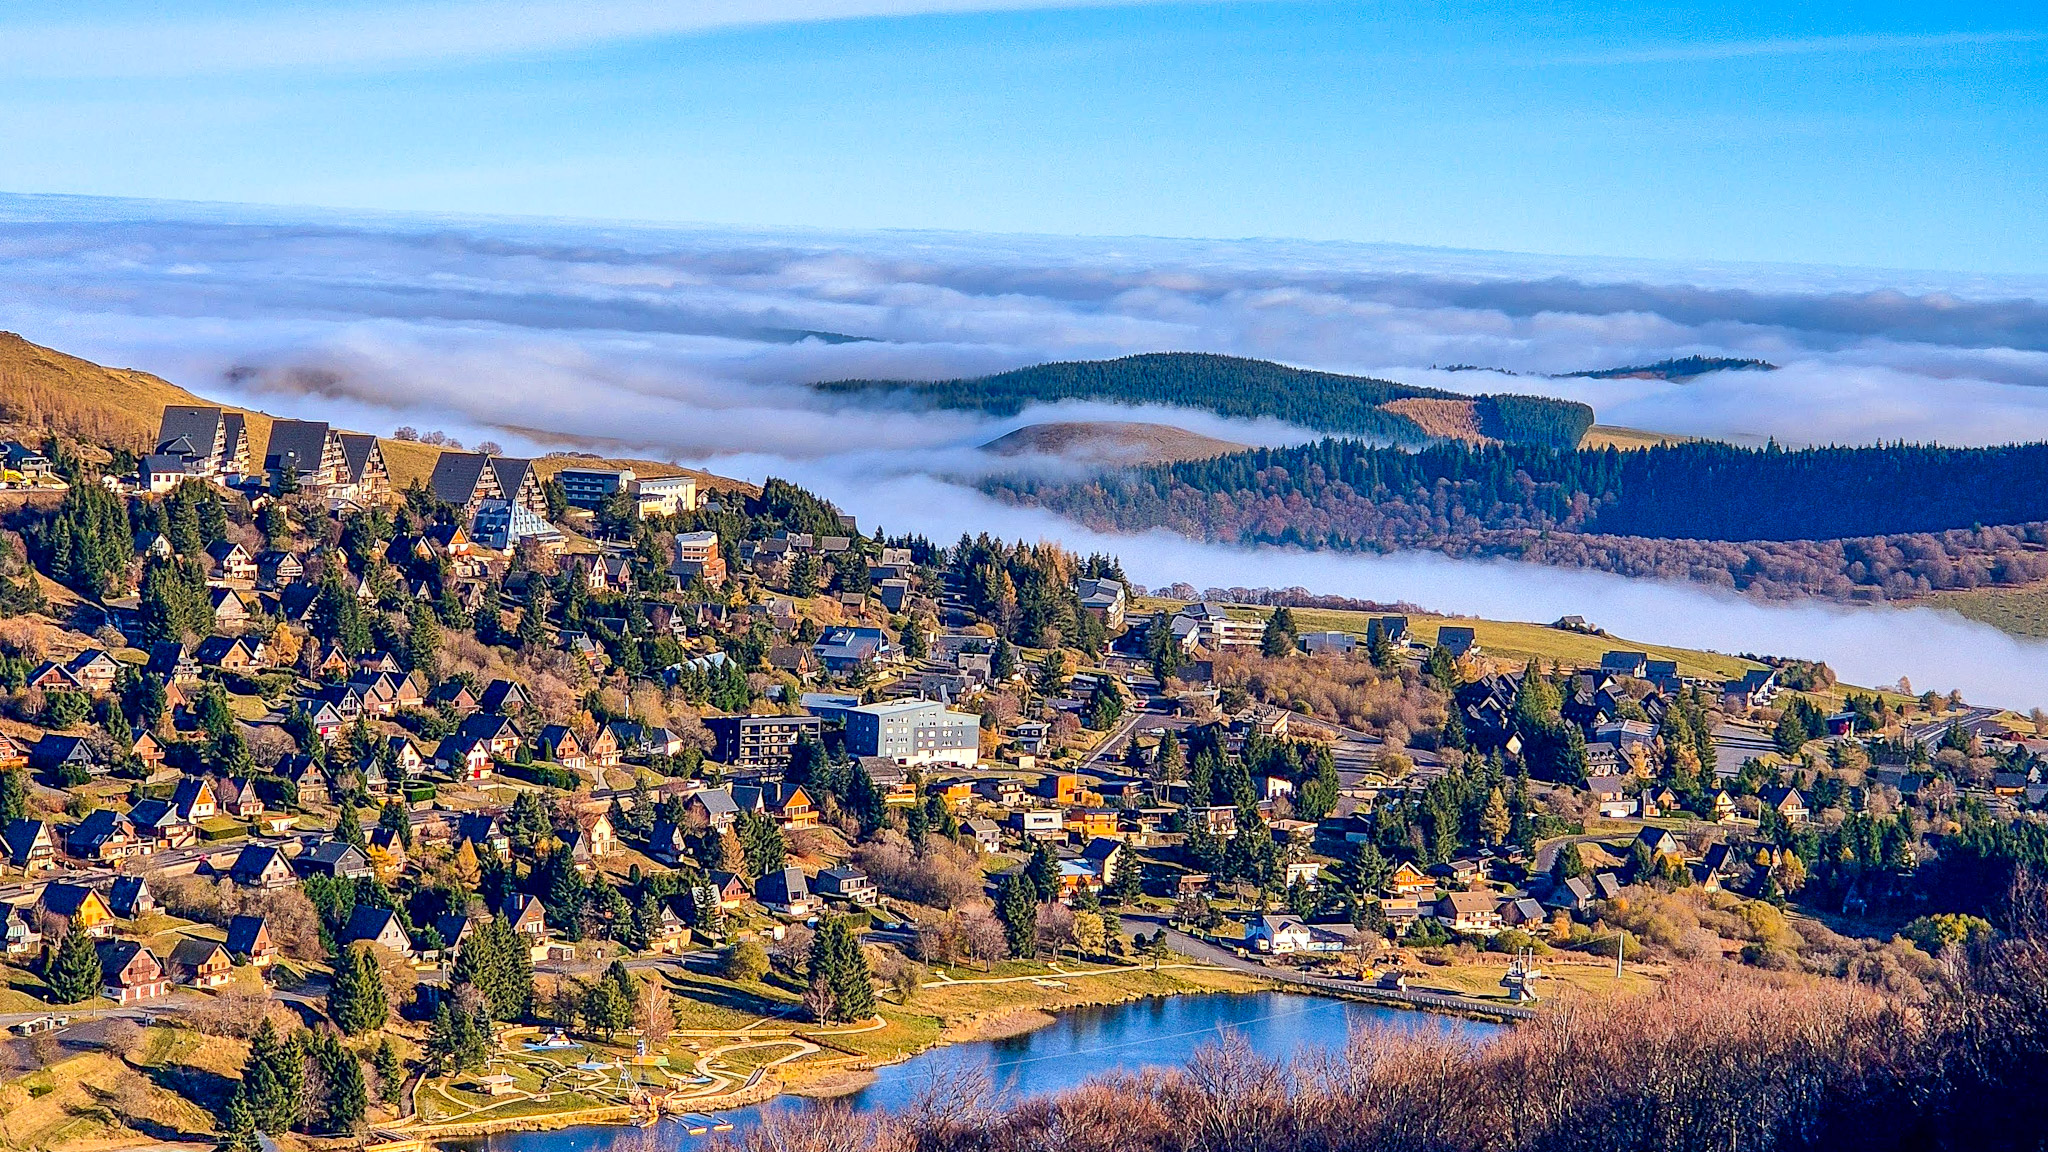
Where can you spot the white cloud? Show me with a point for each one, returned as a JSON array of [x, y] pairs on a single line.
[[355, 37], [689, 344]]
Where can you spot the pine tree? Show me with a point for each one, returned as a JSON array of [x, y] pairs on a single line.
[[441, 1038], [390, 1073], [348, 828], [1128, 885], [348, 1096], [355, 1000], [1494, 821], [13, 795], [1278, 638], [1042, 871], [238, 1127], [853, 994], [75, 974], [1019, 914], [422, 638]]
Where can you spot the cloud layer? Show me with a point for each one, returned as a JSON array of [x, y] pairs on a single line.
[[697, 344]]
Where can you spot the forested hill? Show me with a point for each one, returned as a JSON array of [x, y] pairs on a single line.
[[1341, 492], [1246, 389]]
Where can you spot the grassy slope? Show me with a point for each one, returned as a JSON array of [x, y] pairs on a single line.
[[41, 387], [1615, 436], [2021, 611], [1509, 639]]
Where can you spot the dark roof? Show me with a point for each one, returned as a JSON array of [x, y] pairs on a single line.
[[253, 861], [127, 894], [455, 476], [334, 855], [511, 474], [64, 899], [296, 444], [498, 692], [356, 448], [21, 837], [191, 951], [115, 956], [242, 933], [782, 886], [152, 814], [99, 826], [198, 424], [367, 923]]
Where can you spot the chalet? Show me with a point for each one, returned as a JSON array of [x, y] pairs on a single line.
[[669, 843], [93, 669], [500, 735], [146, 749], [276, 570], [227, 653], [1786, 802], [485, 832], [233, 607], [378, 926], [453, 928], [159, 821], [1457, 640], [30, 845], [249, 941], [590, 842], [388, 846], [502, 696], [307, 775], [404, 756], [848, 883], [262, 866], [194, 800], [1470, 912], [361, 474], [464, 758], [104, 837], [603, 748], [1408, 880], [50, 676], [231, 561], [1521, 911], [80, 908], [129, 897], [13, 753], [1575, 895], [201, 963], [1103, 857], [23, 932], [1660, 843], [728, 888], [129, 972], [336, 858], [559, 744], [527, 916], [173, 661], [715, 807], [785, 891], [669, 933], [66, 756]]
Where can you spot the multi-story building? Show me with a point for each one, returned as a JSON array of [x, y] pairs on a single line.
[[697, 558], [914, 732], [213, 441], [760, 741], [591, 487], [666, 495], [306, 452]]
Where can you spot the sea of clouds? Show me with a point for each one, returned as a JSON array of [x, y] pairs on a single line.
[[697, 344]]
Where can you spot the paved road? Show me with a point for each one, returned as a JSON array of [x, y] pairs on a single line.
[[1209, 953]]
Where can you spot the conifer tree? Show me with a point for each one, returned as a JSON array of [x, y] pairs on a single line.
[[355, 1000], [390, 1073], [75, 974], [348, 828], [238, 1127]]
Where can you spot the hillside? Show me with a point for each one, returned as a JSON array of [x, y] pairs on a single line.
[[1240, 389], [41, 387], [1678, 368], [1110, 442], [44, 388], [1887, 522]]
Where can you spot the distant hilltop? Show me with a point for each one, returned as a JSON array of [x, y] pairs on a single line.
[[1246, 389]]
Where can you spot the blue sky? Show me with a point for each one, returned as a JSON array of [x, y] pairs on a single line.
[[1861, 134]]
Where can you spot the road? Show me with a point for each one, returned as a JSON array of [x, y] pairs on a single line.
[[1206, 952]]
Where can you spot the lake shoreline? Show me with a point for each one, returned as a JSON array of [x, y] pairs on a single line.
[[844, 1082]]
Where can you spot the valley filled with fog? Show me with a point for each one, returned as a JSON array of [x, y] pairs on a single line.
[[696, 345]]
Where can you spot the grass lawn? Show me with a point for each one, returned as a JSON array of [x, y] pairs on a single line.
[[1518, 641], [957, 1002], [2020, 611], [1615, 436], [713, 1003], [1482, 981]]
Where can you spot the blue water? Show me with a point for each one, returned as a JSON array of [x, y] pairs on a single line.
[[1080, 1044]]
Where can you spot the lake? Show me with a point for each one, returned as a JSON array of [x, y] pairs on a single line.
[[1080, 1043]]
